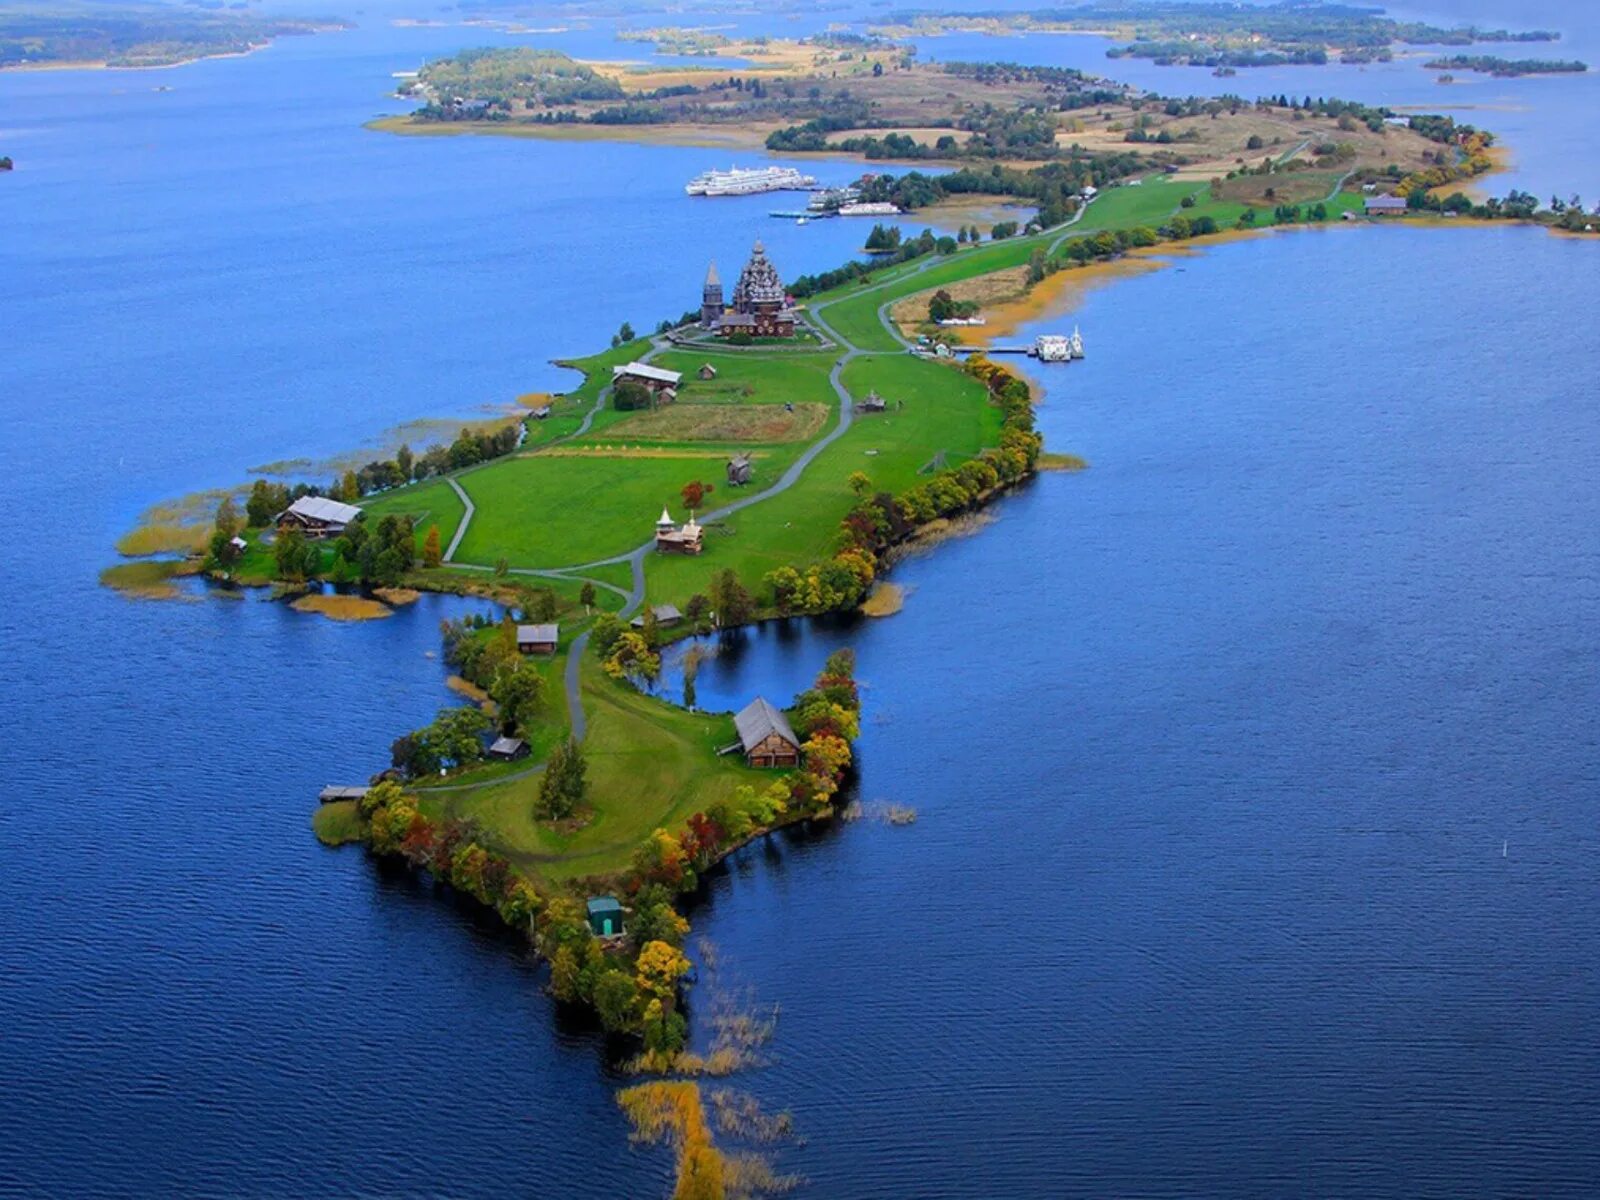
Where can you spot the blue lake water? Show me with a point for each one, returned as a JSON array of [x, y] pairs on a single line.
[[1255, 766]]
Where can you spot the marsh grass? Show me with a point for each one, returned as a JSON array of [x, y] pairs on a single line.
[[342, 608], [151, 580]]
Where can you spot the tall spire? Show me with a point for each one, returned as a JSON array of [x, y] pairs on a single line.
[[712, 278]]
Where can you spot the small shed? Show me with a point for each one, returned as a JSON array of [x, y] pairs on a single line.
[[541, 413], [766, 736], [874, 403], [238, 543], [507, 748], [605, 916], [538, 639], [739, 470], [707, 371], [669, 395]]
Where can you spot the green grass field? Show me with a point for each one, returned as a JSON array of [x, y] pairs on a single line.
[[650, 765], [433, 502]]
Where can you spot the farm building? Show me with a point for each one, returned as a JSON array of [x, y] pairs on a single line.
[[317, 517], [707, 371], [655, 378], [538, 639], [674, 539], [507, 748], [765, 736], [739, 469], [874, 403], [667, 615], [1384, 206], [605, 916], [541, 413]]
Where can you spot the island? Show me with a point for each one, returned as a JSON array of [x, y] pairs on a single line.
[[78, 34], [1489, 64], [769, 452]]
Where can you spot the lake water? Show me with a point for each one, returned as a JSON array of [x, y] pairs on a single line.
[[1255, 851]]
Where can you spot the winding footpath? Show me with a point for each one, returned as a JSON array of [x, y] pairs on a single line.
[[633, 597]]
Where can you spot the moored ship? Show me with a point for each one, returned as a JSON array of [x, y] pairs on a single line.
[[749, 181]]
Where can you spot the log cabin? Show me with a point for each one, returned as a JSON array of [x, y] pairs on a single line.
[[766, 736], [538, 639]]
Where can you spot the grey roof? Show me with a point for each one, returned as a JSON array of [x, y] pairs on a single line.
[[758, 719], [538, 633], [663, 612], [334, 792], [320, 508], [646, 371], [604, 904], [505, 745], [1385, 202], [739, 460]]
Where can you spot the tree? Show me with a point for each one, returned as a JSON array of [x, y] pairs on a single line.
[[695, 492], [698, 613], [265, 502], [227, 518], [565, 784], [616, 1000], [630, 395], [518, 691], [606, 632], [860, 483], [660, 967], [405, 462], [586, 596], [432, 555], [631, 655], [732, 603]]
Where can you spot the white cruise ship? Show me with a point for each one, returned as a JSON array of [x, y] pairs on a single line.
[[749, 181]]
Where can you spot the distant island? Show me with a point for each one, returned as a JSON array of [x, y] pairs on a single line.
[[1488, 64], [1174, 33], [136, 35], [5, 162]]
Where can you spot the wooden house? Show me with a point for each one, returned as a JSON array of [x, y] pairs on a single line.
[[739, 470], [507, 748], [874, 403], [332, 792], [605, 916], [675, 539], [538, 639], [1384, 206], [666, 615], [655, 378], [765, 736], [707, 371], [317, 517]]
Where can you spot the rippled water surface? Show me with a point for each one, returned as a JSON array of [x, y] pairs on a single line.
[[1255, 766]]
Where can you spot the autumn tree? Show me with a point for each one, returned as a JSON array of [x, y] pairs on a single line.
[[695, 492], [432, 555]]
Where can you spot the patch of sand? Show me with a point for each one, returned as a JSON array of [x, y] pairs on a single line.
[[343, 608], [471, 691], [884, 600], [397, 596]]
